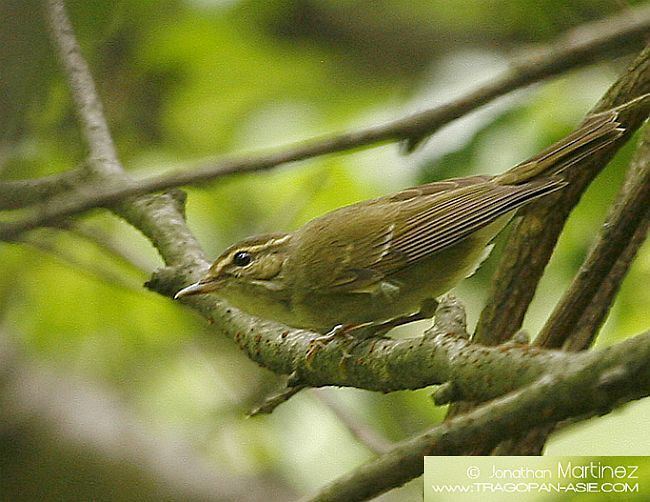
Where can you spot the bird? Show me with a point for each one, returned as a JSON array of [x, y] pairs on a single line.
[[384, 261]]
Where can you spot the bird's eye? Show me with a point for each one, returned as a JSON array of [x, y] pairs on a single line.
[[242, 258]]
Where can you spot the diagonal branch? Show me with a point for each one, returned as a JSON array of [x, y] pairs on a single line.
[[22, 193], [622, 234], [576, 48], [391, 364], [535, 234], [376, 364], [87, 104], [595, 313], [533, 238], [160, 218], [575, 321], [382, 365]]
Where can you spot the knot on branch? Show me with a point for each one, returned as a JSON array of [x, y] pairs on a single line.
[[450, 318], [446, 393], [179, 198], [168, 280], [521, 337]]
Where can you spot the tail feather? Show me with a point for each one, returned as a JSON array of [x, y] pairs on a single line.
[[595, 133]]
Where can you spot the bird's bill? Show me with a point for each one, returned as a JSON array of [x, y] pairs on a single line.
[[198, 288]]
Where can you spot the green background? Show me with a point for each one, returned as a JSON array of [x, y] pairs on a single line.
[[183, 81]]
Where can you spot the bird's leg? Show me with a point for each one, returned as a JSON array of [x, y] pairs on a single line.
[[427, 311], [366, 330]]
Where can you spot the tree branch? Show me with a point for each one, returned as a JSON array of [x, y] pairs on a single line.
[[160, 218], [377, 364], [82, 88], [22, 193], [611, 254], [595, 313], [442, 355], [362, 432], [576, 48], [534, 235], [575, 321], [617, 375], [89, 109]]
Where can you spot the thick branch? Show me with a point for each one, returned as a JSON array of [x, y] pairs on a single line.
[[442, 355], [391, 364], [575, 321], [579, 47], [377, 364], [613, 377], [533, 238]]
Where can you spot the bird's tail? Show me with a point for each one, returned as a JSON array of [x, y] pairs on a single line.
[[598, 131]]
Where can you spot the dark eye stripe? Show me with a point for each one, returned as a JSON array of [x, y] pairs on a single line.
[[242, 258]]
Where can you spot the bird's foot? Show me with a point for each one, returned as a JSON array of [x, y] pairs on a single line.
[[337, 332]]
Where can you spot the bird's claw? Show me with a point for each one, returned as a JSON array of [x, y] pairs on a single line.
[[338, 331]]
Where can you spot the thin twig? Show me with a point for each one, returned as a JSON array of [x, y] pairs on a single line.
[[574, 49], [271, 402], [365, 434], [108, 244], [91, 269], [87, 104]]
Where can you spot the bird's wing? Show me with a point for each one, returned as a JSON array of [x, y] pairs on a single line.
[[457, 214], [358, 260], [357, 267], [437, 216]]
